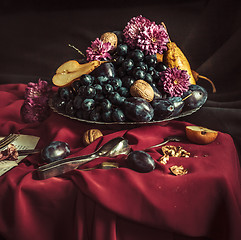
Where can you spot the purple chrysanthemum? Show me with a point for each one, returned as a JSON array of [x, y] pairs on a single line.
[[174, 81], [133, 29], [153, 39], [98, 50], [146, 35]]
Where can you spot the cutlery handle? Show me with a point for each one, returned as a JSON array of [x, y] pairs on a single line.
[[64, 165]]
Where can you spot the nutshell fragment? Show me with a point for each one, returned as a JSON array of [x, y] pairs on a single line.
[[178, 170]]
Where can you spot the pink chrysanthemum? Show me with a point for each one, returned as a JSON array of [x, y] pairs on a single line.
[[174, 81], [133, 29], [146, 35], [153, 39], [98, 50]]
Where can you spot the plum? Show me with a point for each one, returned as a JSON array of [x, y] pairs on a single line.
[[105, 69], [195, 97], [140, 161], [138, 109], [178, 104], [56, 150], [163, 108]]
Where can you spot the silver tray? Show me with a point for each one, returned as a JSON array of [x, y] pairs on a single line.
[[132, 124]]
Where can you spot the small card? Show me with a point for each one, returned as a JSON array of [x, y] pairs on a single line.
[[22, 142]]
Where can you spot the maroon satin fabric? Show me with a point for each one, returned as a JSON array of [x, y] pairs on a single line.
[[118, 203]]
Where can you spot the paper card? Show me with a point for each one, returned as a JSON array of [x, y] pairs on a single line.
[[22, 142]]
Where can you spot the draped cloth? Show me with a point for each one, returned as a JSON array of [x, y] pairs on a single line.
[[118, 203]]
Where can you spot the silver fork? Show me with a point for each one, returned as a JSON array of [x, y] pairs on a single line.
[[7, 140]]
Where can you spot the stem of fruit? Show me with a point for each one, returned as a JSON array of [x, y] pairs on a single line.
[[77, 50], [187, 97], [210, 81]]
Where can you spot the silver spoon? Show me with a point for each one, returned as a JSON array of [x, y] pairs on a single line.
[[112, 148], [166, 140]]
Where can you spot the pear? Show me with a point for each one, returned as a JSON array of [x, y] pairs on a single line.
[[71, 70], [174, 57]]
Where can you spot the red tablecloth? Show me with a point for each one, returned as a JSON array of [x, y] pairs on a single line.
[[118, 203]]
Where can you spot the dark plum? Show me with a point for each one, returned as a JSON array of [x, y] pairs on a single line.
[[138, 109], [107, 116], [118, 115], [157, 93], [195, 97], [178, 104], [140, 161], [163, 108], [105, 69], [55, 151]]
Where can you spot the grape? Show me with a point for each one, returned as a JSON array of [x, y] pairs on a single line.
[[65, 93], [123, 91], [127, 81], [101, 80], [116, 99], [107, 89], [138, 74], [106, 105], [89, 92], [86, 79], [69, 108], [127, 64], [55, 151], [160, 66], [77, 102], [95, 115], [98, 88], [151, 60], [137, 55], [116, 83], [143, 66], [148, 78], [76, 85], [88, 104], [59, 104], [122, 49]]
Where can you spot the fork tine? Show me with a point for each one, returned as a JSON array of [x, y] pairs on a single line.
[[7, 140]]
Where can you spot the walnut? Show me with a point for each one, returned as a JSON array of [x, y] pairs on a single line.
[[91, 135], [141, 88], [111, 38]]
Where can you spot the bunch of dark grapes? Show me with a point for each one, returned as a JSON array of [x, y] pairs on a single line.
[[101, 97]]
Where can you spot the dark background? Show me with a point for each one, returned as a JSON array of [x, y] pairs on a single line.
[[35, 36]]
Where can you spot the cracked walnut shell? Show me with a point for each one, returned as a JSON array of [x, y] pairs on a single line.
[[91, 135]]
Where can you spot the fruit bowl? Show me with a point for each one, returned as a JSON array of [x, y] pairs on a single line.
[[125, 124]]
